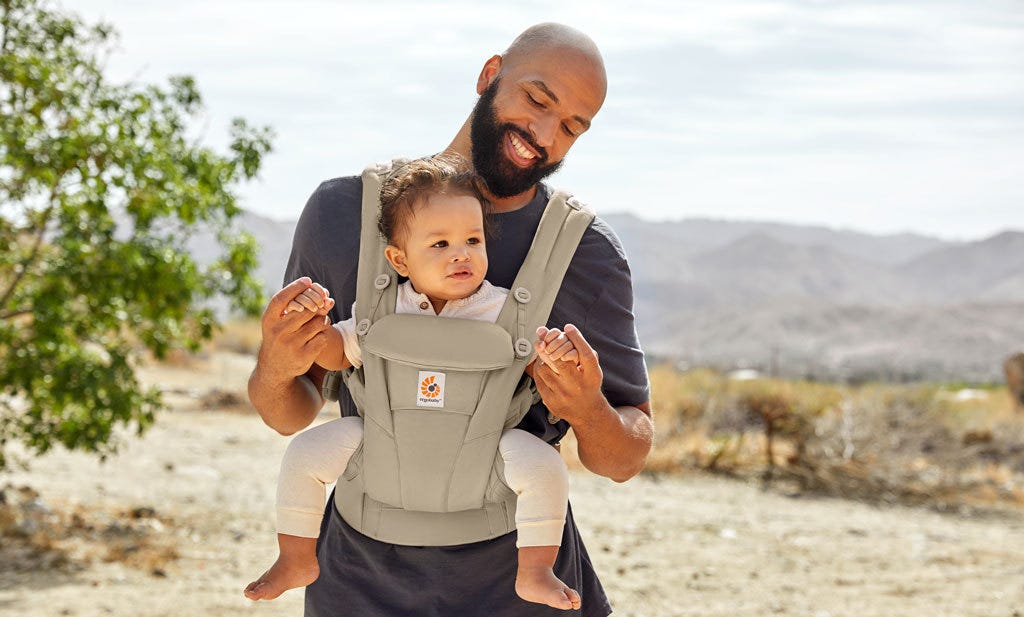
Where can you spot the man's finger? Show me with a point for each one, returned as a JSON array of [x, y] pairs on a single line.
[[542, 376], [292, 321], [311, 328], [281, 299], [543, 357], [588, 357]]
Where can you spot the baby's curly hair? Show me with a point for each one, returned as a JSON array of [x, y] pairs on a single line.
[[411, 183]]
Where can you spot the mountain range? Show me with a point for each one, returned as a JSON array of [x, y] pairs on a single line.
[[800, 301]]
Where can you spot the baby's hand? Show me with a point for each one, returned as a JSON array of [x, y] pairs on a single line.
[[554, 346], [314, 298]]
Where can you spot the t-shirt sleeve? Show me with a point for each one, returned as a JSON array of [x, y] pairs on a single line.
[[306, 257], [599, 277]]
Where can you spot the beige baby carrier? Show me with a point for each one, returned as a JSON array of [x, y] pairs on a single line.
[[435, 394]]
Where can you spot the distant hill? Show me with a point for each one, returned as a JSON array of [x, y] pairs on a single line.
[[801, 300]]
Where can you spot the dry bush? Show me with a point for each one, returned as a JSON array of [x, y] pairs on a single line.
[[891, 443]]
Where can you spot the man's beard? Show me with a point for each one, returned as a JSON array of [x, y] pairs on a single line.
[[503, 177]]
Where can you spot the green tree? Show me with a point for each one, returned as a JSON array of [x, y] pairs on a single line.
[[100, 188]]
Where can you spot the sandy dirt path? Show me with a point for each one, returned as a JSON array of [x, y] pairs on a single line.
[[693, 546]]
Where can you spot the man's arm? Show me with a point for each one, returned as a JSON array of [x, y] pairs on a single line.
[[285, 385], [613, 441]]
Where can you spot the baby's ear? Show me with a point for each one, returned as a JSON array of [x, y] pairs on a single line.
[[396, 257]]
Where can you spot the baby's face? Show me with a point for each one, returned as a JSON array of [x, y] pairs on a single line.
[[443, 252]]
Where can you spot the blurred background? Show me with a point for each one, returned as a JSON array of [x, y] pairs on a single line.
[[820, 202]]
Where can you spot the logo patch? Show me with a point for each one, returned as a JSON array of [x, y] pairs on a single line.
[[430, 392]]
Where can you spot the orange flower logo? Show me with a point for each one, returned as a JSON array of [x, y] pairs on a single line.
[[430, 389]]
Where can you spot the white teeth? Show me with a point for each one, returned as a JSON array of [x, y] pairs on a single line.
[[521, 149]]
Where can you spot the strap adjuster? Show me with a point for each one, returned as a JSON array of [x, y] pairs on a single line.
[[523, 348], [382, 281], [522, 295]]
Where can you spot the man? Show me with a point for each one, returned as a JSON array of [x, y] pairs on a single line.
[[536, 99]]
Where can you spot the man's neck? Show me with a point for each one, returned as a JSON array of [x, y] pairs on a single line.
[[508, 204]]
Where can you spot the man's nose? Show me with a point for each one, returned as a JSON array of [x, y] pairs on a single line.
[[543, 129]]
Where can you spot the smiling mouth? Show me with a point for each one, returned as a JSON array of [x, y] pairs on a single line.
[[522, 153]]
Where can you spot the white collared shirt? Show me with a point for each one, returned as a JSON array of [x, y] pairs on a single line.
[[483, 305]]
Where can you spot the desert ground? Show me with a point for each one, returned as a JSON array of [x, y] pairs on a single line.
[[195, 497]]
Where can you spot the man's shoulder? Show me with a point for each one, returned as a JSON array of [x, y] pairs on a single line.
[[601, 238], [599, 241], [343, 189]]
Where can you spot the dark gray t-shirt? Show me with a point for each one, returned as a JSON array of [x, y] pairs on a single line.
[[360, 576]]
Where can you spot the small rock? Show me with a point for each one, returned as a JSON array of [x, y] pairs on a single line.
[[143, 512]]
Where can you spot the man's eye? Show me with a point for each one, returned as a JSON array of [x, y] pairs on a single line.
[[534, 101], [440, 244], [568, 131]]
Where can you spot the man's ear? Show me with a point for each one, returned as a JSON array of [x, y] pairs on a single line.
[[491, 69], [396, 257]]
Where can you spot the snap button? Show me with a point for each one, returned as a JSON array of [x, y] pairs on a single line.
[[523, 348], [382, 281], [363, 327], [522, 295], [573, 203], [424, 305]]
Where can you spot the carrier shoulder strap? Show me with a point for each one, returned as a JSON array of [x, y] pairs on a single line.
[[534, 291], [375, 295]]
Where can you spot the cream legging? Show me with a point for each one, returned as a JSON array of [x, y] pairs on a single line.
[[316, 457]]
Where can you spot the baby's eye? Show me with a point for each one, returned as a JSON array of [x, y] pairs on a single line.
[[440, 244], [473, 240]]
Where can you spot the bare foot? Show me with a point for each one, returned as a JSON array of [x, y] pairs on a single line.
[[285, 574], [540, 585]]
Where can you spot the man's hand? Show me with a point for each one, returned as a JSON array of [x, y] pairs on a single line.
[[611, 441], [293, 326], [571, 392]]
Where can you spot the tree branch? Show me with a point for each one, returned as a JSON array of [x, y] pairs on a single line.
[[13, 314]]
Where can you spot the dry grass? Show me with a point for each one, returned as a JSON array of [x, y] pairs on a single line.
[[237, 336], [927, 444]]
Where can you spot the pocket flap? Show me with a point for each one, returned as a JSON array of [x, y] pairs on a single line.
[[440, 342]]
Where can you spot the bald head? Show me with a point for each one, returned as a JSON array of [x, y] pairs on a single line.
[[544, 39]]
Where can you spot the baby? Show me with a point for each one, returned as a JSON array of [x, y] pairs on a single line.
[[432, 216]]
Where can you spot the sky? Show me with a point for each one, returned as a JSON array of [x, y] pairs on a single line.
[[883, 117]]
